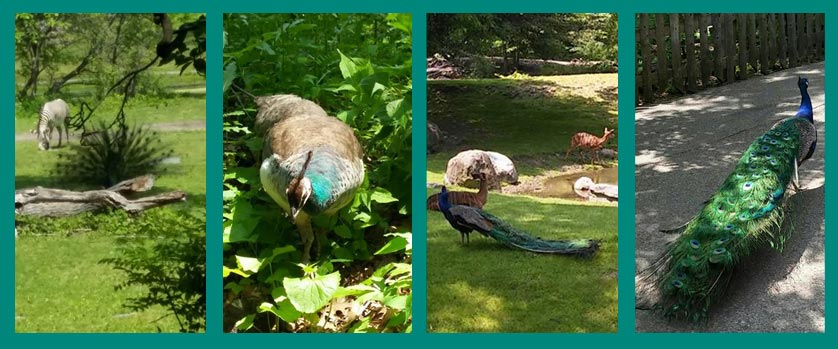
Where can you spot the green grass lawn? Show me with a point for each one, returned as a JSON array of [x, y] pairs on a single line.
[[524, 118], [485, 286], [60, 286]]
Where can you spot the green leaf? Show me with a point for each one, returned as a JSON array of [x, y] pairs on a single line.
[[382, 196], [394, 245], [249, 263], [309, 295], [242, 223], [343, 231], [397, 302], [286, 311], [245, 323], [347, 66], [229, 75]]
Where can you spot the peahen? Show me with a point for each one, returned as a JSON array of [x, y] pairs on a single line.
[[467, 219], [747, 211], [312, 163], [467, 198]]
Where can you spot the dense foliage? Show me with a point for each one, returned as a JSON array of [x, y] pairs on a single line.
[[165, 252], [358, 68], [513, 36], [96, 50]]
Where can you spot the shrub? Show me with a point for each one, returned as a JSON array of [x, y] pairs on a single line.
[[165, 251]]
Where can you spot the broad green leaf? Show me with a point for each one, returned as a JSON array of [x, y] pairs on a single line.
[[394, 245], [354, 290], [382, 196], [229, 75], [245, 323], [242, 222], [285, 310], [397, 302], [343, 231], [347, 66], [249, 263], [309, 295]]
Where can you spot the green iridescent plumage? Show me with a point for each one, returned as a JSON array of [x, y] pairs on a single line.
[[467, 219], [747, 211]]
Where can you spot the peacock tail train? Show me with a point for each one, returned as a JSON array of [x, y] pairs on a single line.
[[505, 233], [746, 212]]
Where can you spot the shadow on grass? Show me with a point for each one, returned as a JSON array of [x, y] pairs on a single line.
[[487, 287]]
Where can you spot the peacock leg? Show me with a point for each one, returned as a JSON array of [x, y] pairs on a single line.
[[319, 237], [306, 235]]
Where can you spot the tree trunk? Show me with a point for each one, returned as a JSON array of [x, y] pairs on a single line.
[[57, 85], [47, 202]]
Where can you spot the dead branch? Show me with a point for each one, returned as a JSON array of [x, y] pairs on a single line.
[[49, 202]]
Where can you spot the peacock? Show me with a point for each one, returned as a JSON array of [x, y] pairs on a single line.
[[747, 211], [312, 163], [477, 199], [467, 219]]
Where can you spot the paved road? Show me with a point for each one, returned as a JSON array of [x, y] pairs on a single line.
[[189, 125], [685, 149]]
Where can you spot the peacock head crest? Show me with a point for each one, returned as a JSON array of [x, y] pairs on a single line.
[[299, 190], [803, 83]]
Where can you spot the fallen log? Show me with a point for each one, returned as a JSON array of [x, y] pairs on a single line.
[[49, 202]]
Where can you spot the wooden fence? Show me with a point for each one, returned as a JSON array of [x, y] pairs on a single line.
[[716, 49]]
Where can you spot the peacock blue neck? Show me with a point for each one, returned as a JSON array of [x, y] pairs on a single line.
[[321, 190], [442, 200], [805, 110]]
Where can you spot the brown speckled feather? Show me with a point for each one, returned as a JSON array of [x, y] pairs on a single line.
[[466, 198]]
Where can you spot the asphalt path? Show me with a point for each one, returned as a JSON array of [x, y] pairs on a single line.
[[684, 150]]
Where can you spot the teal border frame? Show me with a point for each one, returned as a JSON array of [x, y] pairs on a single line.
[[418, 8]]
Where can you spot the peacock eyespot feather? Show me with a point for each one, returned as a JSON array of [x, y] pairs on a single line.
[[731, 201], [765, 148], [722, 241], [773, 141], [677, 283], [773, 162], [694, 244], [719, 250], [768, 156], [729, 227], [720, 209], [747, 186], [681, 275], [744, 216]]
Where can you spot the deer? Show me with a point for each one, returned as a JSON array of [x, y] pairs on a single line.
[[584, 140]]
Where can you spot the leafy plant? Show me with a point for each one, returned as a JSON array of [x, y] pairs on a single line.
[[165, 251], [358, 68], [113, 154]]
